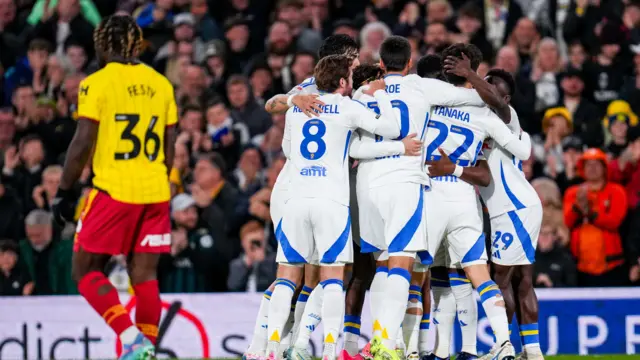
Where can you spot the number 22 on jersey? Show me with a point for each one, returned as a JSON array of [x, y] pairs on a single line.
[[443, 133]]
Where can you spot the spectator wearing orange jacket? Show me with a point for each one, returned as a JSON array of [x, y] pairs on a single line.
[[593, 211]]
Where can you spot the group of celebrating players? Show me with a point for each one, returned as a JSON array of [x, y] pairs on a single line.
[[423, 142]]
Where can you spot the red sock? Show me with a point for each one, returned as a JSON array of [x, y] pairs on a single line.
[[103, 297], [148, 308]]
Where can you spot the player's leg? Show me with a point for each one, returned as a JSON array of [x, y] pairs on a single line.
[[413, 314], [528, 305], [305, 303], [444, 313], [503, 276], [311, 315], [332, 234], [467, 248], [405, 233], [258, 344], [361, 278], [423, 342], [105, 229], [467, 310], [296, 242]]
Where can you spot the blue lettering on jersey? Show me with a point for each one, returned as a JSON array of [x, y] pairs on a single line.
[[445, 178], [330, 109], [393, 88], [296, 109], [453, 113], [316, 171]]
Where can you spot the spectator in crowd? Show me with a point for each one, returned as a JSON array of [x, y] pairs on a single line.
[[371, 37], [198, 251], [557, 124], [23, 168], [76, 55], [47, 260], [14, 280], [500, 18], [64, 21], [88, 9], [261, 80], [554, 264], [225, 135], [545, 69], [436, 38], [245, 108], [469, 24], [523, 101], [210, 189], [255, 269], [526, 40], [577, 55], [593, 211], [26, 70], [11, 219], [306, 39], [585, 124], [551, 199], [248, 177], [572, 148], [238, 36], [180, 170], [44, 193], [618, 119], [7, 127]]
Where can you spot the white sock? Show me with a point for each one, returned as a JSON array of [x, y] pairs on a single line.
[[377, 293], [489, 295], [400, 345], [444, 314], [394, 305], [467, 311], [301, 304], [423, 346], [332, 313], [129, 335], [279, 310], [287, 331], [259, 341], [310, 319], [411, 322], [351, 334]]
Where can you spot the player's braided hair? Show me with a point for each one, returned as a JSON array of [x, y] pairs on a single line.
[[118, 35]]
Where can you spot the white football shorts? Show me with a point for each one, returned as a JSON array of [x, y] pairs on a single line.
[[514, 236], [392, 218], [276, 207], [315, 225], [460, 223]]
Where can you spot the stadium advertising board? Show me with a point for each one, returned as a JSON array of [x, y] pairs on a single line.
[[576, 321]]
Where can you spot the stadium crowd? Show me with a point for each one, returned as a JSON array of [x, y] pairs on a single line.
[[575, 63]]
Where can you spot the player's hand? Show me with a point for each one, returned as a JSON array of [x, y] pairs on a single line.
[[412, 146], [63, 207], [456, 66], [309, 104], [375, 86], [11, 158], [442, 167]]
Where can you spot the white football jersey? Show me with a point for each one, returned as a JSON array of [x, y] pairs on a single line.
[[318, 148], [460, 133], [411, 99], [308, 86], [509, 189]]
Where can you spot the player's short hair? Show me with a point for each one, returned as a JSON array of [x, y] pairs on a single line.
[[366, 73], [456, 50], [395, 53], [330, 70], [118, 35], [506, 77], [429, 66], [339, 44]]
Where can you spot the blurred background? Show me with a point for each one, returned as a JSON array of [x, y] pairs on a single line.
[[575, 63]]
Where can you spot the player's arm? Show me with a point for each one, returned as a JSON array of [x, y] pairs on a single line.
[[286, 138], [518, 145], [170, 132], [487, 92], [370, 150], [438, 92], [384, 124], [479, 175], [308, 103], [78, 152]]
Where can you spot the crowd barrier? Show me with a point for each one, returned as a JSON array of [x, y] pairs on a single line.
[[572, 321]]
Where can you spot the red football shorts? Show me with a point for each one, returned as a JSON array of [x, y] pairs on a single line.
[[108, 226]]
